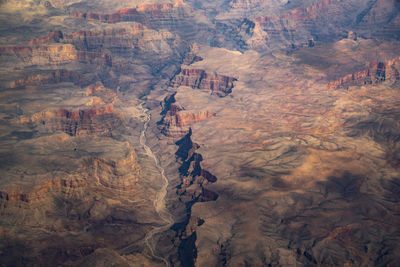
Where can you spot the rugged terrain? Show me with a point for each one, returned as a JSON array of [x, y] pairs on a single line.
[[199, 133]]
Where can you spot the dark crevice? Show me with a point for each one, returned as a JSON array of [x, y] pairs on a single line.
[[191, 190]]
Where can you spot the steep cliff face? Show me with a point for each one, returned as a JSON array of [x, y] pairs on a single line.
[[42, 55], [116, 37], [216, 84], [176, 121], [194, 177], [53, 54], [182, 118], [192, 189], [100, 120], [124, 40], [274, 158], [178, 124], [377, 72], [134, 14], [175, 17], [53, 77], [96, 46]]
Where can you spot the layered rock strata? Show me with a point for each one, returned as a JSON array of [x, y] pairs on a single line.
[[54, 77], [377, 72], [133, 14], [100, 120], [216, 84], [176, 121]]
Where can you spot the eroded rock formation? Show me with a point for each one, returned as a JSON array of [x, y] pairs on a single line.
[[192, 189], [132, 14], [42, 55], [54, 77], [176, 121], [99, 120], [377, 72], [216, 84]]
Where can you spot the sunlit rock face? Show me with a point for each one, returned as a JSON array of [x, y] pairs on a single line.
[[273, 126], [219, 85]]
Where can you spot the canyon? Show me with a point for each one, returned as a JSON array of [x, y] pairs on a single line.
[[199, 133]]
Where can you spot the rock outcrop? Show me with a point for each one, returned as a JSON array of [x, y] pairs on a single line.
[[43, 55], [178, 124], [53, 77], [98, 46], [377, 72], [127, 40], [118, 37], [54, 54], [214, 83], [176, 121], [133, 14], [100, 120]]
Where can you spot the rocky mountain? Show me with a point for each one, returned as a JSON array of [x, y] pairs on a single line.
[[199, 133]]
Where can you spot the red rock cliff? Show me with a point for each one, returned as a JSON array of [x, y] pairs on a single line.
[[131, 14], [51, 78], [99, 120], [377, 72], [219, 85], [176, 121]]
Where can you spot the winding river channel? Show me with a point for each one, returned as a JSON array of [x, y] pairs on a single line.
[[159, 201]]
